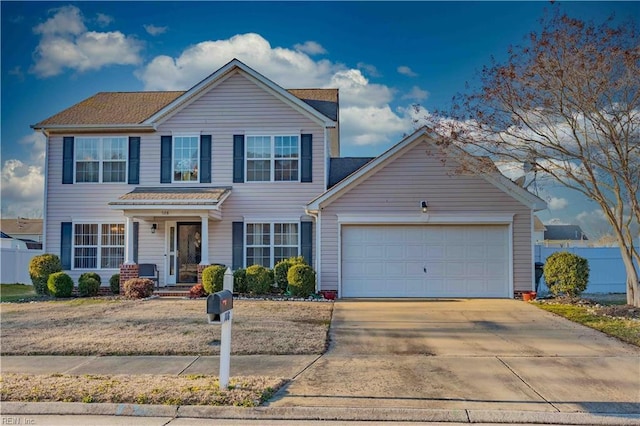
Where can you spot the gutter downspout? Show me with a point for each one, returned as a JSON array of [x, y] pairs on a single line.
[[46, 186]]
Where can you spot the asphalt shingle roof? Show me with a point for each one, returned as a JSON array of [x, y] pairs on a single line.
[[564, 232], [341, 167], [166, 195], [114, 108]]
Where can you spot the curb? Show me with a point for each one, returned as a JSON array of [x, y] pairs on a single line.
[[320, 413]]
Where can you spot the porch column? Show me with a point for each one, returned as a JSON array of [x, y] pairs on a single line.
[[128, 244], [204, 245]]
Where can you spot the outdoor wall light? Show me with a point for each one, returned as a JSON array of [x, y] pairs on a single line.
[[424, 206], [154, 227]]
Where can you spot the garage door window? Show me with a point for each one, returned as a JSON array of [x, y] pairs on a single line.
[[268, 243]]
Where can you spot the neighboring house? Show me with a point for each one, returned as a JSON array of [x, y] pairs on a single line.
[[8, 242], [564, 236], [27, 230], [239, 171], [538, 230]]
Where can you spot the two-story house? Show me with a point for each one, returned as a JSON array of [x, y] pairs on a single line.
[[239, 171]]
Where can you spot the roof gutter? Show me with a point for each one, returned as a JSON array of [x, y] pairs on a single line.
[[92, 128]]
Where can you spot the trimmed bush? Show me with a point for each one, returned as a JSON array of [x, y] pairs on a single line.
[[60, 284], [281, 270], [302, 280], [89, 284], [240, 281], [566, 273], [213, 278], [114, 283], [40, 268], [259, 279], [138, 288], [197, 291], [88, 287]]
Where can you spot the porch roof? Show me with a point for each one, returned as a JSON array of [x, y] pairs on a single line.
[[172, 198]]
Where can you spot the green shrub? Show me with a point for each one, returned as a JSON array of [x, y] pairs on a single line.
[[60, 284], [281, 270], [88, 287], [93, 275], [138, 288], [302, 280], [213, 278], [114, 283], [40, 267], [240, 281], [259, 279], [89, 284], [566, 273]]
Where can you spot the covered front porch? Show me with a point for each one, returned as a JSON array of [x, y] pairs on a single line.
[[169, 228]]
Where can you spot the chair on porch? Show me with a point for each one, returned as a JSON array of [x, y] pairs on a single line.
[[149, 271]]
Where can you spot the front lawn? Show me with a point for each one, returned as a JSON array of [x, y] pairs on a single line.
[[138, 389], [116, 326], [609, 317]]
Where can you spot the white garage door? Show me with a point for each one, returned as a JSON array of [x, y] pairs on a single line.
[[425, 261]]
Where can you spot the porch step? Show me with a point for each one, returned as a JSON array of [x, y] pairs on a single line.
[[173, 291]]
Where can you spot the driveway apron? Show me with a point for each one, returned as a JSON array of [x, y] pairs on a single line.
[[480, 354]]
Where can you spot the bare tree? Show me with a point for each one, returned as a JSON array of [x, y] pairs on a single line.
[[568, 105]]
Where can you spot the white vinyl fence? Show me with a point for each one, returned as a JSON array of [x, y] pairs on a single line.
[[15, 265], [607, 272]]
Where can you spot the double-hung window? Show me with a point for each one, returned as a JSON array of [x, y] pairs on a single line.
[[268, 243], [273, 158], [98, 245], [186, 154], [100, 159]]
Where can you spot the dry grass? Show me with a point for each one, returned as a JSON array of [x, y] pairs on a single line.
[[114, 326], [139, 389]]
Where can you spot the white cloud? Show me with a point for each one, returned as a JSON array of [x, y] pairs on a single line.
[[371, 70], [66, 43], [366, 117], [310, 48], [416, 94], [22, 188], [556, 203], [154, 30], [405, 70], [557, 221], [17, 71], [103, 20]]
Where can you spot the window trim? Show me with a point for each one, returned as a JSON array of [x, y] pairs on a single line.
[[99, 246], [272, 157], [272, 245], [173, 147], [101, 160]]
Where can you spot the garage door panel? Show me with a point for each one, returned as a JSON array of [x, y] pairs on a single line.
[[390, 261]]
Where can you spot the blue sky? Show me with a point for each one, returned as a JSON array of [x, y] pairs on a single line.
[[383, 57]]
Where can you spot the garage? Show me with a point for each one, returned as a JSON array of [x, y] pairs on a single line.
[[425, 261]]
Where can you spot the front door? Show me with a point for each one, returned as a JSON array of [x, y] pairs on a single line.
[[184, 242]]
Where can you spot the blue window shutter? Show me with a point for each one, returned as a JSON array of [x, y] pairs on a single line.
[[238, 245], [67, 159], [306, 241], [238, 158], [306, 160], [134, 160], [165, 159], [136, 229], [205, 159], [65, 245]]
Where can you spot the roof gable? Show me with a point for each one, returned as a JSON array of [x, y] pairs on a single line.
[[222, 74], [423, 135], [147, 109]]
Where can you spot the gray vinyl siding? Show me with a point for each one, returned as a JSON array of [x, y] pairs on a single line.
[[235, 106], [398, 189]]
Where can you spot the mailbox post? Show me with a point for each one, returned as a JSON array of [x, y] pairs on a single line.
[[220, 311]]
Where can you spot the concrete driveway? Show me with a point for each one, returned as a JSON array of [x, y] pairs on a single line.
[[466, 354]]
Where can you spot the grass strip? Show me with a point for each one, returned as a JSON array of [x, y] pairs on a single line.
[[624, 329], [139, 389], [16, 292]]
